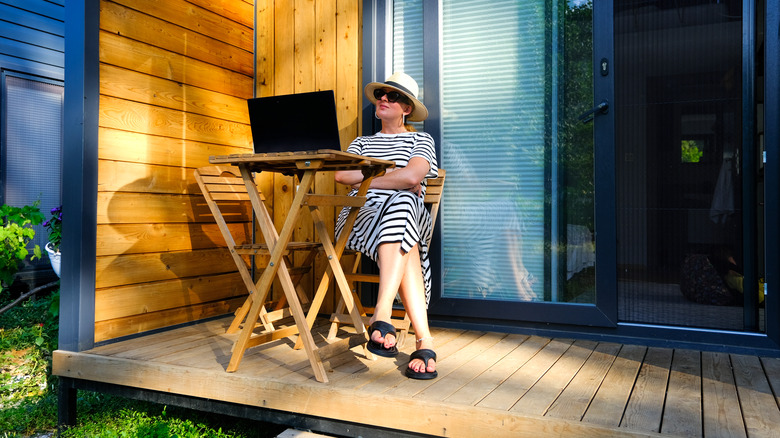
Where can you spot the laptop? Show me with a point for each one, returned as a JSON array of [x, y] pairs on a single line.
[[294, 122]]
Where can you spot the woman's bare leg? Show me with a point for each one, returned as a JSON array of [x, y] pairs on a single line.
[[392, 265], [413, 297]]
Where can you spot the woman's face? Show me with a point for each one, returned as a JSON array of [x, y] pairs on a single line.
[[387, 110]]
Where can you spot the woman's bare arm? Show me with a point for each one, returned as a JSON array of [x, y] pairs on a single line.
[[405, 178]]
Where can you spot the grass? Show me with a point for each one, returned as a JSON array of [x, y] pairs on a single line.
[[28, 391]]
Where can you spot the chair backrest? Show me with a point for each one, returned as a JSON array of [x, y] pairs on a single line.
[[224, 185], [433, 194]]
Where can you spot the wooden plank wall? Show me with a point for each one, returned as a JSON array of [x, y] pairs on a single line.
[[174, 79]]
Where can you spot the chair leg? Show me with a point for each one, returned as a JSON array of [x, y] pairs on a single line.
[[340, 307], [402, 332], [239, 316], [334, 325]]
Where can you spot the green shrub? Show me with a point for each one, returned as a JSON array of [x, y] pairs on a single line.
[[28, 335], [16, 233]]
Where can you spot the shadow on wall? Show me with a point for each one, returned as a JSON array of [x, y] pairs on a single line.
[[161, 257]]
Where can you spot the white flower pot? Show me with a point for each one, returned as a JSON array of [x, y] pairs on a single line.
[[54, 257]]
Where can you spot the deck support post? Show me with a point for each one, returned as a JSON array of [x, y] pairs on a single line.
[[66, 406]]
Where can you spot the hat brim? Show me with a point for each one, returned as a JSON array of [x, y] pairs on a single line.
[[419, 111]]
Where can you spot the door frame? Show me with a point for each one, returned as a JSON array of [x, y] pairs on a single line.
[[772, 168]]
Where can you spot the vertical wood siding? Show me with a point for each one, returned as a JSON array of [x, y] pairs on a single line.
[[175, 77], [302, 46]]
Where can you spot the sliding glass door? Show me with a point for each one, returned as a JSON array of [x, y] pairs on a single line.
[[609, 163], [518, 115]]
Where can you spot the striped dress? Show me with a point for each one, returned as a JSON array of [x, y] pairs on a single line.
[[392, 216]]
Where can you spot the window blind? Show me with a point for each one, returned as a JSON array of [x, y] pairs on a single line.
[[408, 43], [493, 147], [493, 141]]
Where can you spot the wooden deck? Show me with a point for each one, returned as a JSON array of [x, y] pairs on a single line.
[[489, 384]]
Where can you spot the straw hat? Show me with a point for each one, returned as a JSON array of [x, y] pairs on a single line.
[[404, 84]]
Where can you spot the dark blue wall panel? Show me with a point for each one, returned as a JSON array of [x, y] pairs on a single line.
[[32, 37]]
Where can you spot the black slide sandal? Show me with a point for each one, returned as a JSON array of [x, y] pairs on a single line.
[[377, 348], [425, 355]]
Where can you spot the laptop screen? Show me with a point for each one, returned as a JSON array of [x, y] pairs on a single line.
[[294, 122]]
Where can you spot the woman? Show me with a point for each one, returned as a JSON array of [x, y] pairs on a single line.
[[393, 227]]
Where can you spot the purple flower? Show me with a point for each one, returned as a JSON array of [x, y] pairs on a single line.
[[54, 225]]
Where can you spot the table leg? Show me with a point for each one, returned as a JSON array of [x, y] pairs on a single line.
[[270, 235], [276, 266]]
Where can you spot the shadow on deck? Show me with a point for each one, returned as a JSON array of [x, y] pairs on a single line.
[[489, 384]]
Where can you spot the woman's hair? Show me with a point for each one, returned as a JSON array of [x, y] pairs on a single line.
[[409, 127]]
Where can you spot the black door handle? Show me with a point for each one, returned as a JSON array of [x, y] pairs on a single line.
[[601, 108]]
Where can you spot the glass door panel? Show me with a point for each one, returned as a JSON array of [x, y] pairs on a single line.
[[495, 91], [679, 163], [512, 88]]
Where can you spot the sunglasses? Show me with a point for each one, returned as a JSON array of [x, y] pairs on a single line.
[[392, 96]]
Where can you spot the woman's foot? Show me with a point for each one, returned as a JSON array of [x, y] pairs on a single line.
[[423, 361], [387, 341], [382, 339]]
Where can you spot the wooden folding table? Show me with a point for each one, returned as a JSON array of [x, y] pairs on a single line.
[[305, 165]]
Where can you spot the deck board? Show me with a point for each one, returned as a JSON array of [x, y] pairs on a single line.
[[646, 405], [720, 397], [389, 380], [759, 408], [474, 391], [495, 384], [772, 371], [546, 390], [377, 369], [577, 396], [506, 395], [447, 385], [608, 404], [684, 393], [454, 362]]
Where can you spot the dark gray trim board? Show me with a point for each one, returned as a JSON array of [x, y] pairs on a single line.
[[754, 344], [772, 167], [82, 87]]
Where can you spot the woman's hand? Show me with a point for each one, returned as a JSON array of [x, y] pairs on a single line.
[[417, 190]]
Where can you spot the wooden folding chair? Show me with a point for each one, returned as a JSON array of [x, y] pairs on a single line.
[[400, 319], [226, 194]]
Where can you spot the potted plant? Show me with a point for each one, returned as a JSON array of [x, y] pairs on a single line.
[[15, 234], [54, 225]]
